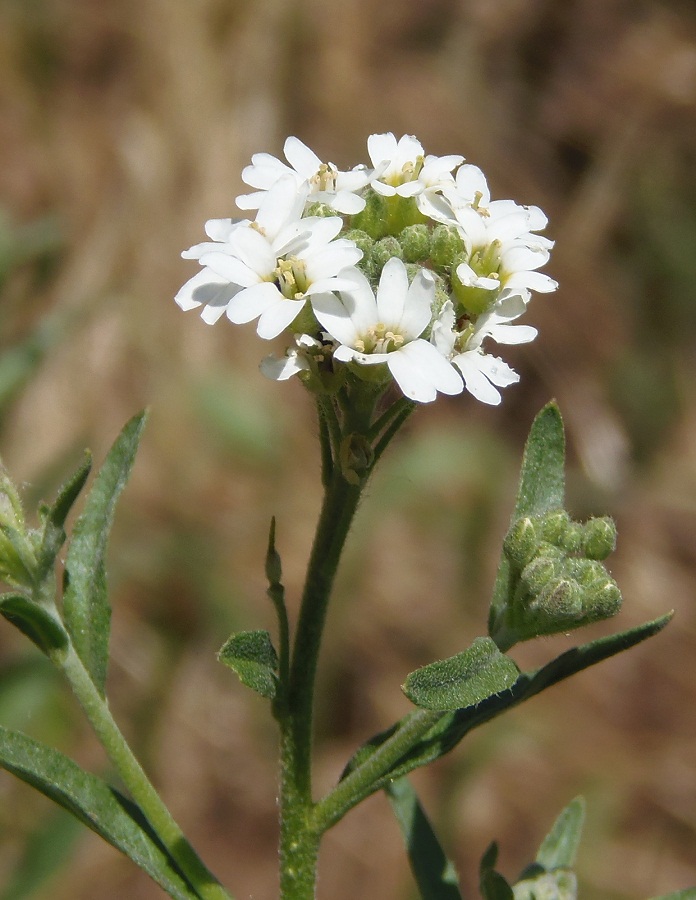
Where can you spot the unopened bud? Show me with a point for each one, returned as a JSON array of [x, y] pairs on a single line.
[[415, 243], [446, 245], [599, 538], [362, 241], [560, 601], [521, 542], [554, 526], [537, 574], [382, 251]]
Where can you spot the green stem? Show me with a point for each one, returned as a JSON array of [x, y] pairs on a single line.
[[360, 783], [97, 710], [299, 841]]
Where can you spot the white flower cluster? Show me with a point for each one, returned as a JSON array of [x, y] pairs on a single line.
[[400, 270]]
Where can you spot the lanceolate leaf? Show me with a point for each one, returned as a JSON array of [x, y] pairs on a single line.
[[53, 536], [453, 726], [541, 488], [86, 607], [542, 480], [95, 804], [252, 656], [38, 623], [462, 680], [435, 875], [560, 845]]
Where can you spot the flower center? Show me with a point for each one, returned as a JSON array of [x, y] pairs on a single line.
[[291, 277], [324, 179], [380, 339], [409, 172]]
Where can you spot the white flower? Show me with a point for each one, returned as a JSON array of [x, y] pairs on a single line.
[[206, 288], [402, 169], [296, 358], [483, 373], [387, 329], [266, 269], [324, 182]]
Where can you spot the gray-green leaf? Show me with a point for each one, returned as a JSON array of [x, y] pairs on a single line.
[[38, 623], [98, 806], [86, 609], [560, 845], [435, 875], [252, 656], [462, 680]]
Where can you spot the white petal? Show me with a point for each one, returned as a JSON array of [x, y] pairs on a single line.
[[343, 202], [204, 288], [512, 334], [277, 317], [252, 302], [305, 161], [417, 311], [231, 268], [536, 281], [432, 365], [221, 229], [391, 293], [476, 382], [254, 251], [381, 147], [411, 381], [283, 368], [335, 318]]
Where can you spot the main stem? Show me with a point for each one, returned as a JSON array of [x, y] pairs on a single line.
[[299, 839]]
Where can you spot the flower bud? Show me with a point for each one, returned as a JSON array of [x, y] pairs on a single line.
[[18, 563], [356, 456], [361, 239], [604, 601], [445, 245], [521, 542], [599, 538], [415, 243], [382, 251], [554, 526], [560, 602], [537, 574]]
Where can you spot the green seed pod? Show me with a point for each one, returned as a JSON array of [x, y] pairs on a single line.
[[521, 542], [445, 246], [415, 243], [599, 538]]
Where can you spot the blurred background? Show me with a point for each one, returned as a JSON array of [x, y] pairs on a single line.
[[123, 127]]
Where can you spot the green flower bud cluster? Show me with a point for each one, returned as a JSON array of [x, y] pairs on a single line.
[[558, 581], [18, 562]]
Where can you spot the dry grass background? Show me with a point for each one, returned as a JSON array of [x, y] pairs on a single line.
[[123, 127]]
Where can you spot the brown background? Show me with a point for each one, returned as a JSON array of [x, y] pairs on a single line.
[[123, 127]]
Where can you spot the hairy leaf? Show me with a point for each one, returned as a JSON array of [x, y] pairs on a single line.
[[560, 845], [435, 875], [38, 623], [252, 656], [86, 607], [453, 726], [98, 806], [462, 680]]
